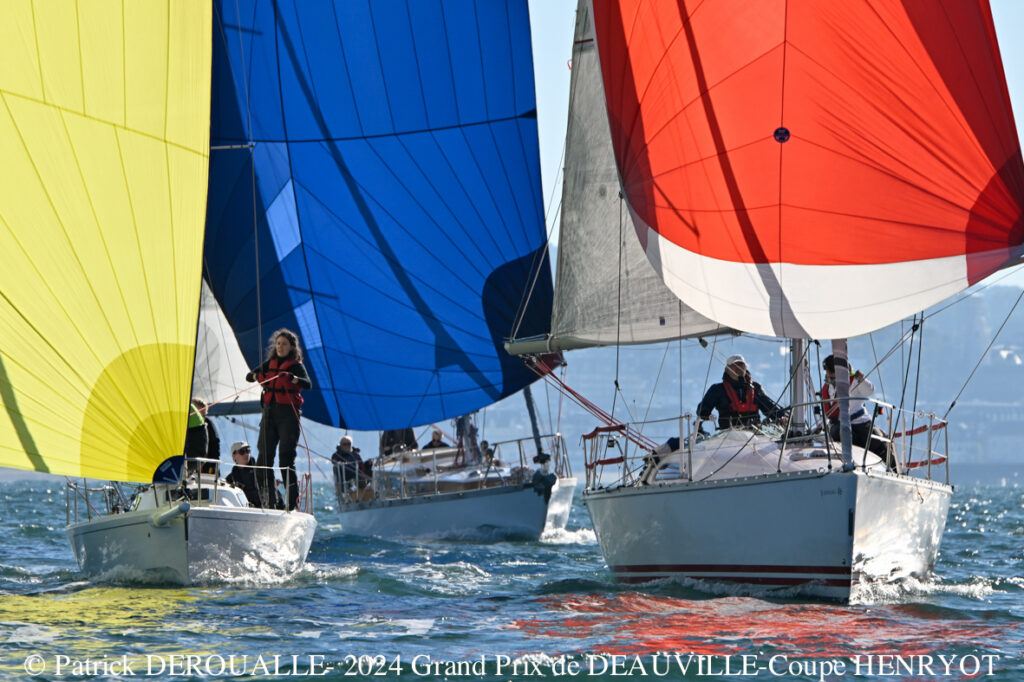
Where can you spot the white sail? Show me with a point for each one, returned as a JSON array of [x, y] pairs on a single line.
[[220, 369], [606, 291]]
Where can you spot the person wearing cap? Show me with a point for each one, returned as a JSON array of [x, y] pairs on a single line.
[[436, 441], [242, 475], [738, 400]]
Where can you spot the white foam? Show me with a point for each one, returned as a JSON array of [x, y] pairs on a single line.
[[908, 588], [561, 536], [30, 633], [453, 578]]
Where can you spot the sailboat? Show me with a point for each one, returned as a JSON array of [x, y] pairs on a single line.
[[797, 170], [105, 138], [378, 166]]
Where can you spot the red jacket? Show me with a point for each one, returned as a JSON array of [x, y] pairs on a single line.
[[280, 389], [831, 406]]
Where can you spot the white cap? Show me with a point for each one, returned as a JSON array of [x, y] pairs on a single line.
[[733, 359], [344, 439], [238, 445]]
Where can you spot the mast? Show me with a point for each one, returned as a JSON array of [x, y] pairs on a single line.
[[798, 415], [843, 400], [531, 409]]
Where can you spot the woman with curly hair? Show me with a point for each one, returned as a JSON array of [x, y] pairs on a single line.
[[283, 377]]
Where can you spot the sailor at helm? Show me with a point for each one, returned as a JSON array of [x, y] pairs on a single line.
[[738, 400]]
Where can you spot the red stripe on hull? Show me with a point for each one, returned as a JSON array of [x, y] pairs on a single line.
[[727, 573], [727, 568], [828, 582]]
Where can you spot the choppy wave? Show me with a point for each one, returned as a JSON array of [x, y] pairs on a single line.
[[532, 602]]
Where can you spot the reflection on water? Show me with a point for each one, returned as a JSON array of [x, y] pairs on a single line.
[[638, 623]]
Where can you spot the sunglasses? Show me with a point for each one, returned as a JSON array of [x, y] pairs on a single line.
[[242, 451]]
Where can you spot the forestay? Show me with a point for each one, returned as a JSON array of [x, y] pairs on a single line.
[[399, 214], [802, 168]]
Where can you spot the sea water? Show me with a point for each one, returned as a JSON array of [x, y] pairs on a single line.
[[389, 610]]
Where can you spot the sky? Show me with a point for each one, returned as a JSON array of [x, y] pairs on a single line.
[[552, 23]]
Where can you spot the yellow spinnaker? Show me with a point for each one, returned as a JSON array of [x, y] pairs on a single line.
[[104, 149]]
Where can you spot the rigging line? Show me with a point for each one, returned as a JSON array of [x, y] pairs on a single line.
[[711, 358], [909, 359], [978, 288], [657, 378], [306, 480], [917, 385], [905, 336], [547, 400], [561, 401], [898, 345], [625, 404], [634, 436], [983, 355], [874, 356], [801, 359], [680, 359], [736, 454], [524, 302], [618, 311], [540, 259], [236, 394], [554, 186]]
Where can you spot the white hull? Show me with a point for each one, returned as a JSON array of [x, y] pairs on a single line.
[[511, 512], [206, 543], [815, 532], [561, 503]]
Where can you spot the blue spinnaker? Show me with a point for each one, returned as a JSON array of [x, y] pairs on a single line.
[[377, 164]]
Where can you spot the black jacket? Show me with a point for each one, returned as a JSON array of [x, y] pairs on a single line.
[[347, 466], [245, 478], [396, 439], [717, 399]]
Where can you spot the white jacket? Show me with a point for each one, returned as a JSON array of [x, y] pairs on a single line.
[[859, 390]]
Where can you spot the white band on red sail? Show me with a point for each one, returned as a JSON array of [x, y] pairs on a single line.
[[746, 295]]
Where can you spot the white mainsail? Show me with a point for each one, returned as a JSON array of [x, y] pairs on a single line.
[[606, 291]]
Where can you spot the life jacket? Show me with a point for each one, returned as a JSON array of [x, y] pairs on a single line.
[[280, 389], [745, 407], [831, 406]]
